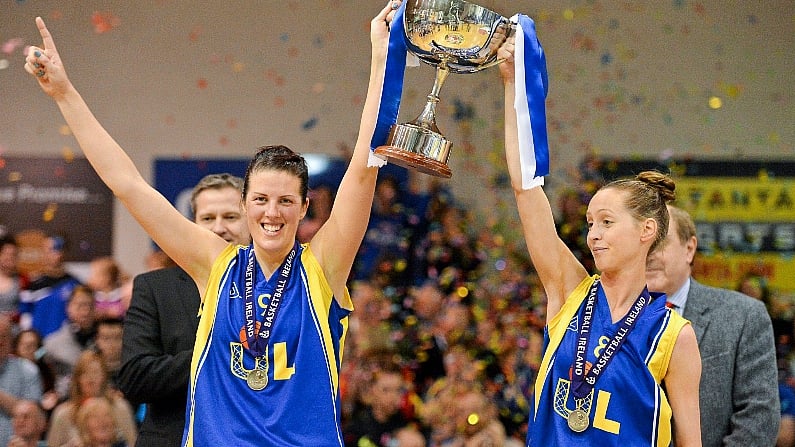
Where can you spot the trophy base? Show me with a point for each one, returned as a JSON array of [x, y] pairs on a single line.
[[414, 161], [417, 147]]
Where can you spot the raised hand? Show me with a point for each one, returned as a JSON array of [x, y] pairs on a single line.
[[505, 53], [45, 64], [379, 26]]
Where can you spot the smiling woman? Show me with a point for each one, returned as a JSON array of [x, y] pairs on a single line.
[[242, 363]]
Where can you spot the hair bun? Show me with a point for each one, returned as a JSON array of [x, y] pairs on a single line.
[[663, 183]]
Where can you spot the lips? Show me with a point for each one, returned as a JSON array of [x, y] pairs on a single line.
[[271, 228]]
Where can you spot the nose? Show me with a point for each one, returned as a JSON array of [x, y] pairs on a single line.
[[218, 227], [272, 209]]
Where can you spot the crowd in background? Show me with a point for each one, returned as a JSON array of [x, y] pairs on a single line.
[[442, 350]]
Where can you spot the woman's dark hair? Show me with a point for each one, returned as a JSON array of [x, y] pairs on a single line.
[[648, 195], [279, 158]]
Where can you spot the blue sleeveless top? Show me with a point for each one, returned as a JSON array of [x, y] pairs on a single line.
[[300, 405], [627, 406]]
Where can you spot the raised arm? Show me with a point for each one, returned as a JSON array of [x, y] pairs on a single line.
[[191, 246], [558, 269], [337, 241]]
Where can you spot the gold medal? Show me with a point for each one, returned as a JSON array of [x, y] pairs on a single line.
[[578, 420], [257, 379]]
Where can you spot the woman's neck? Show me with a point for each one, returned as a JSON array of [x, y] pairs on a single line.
[[270, 262], [621, 290]]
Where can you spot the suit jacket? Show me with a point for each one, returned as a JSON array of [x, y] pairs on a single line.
[[159, 333], [739, 379]]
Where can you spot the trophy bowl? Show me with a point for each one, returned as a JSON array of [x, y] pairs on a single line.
[[454, 36]]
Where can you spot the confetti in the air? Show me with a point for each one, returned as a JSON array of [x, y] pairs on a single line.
[[11, 45], [104, 21]]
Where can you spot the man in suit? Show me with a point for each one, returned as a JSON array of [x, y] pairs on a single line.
[[739, 379], [160, 325]]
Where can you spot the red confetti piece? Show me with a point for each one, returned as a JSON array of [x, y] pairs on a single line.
[[104, 22], [195, 33], [202, 83], [11, 45]]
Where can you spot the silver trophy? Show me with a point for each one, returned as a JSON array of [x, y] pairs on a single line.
[[455, 36]]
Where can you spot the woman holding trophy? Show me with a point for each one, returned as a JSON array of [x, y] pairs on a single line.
[[619, 368], [265, 367]]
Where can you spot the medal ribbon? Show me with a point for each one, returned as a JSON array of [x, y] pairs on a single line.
[[258, 341], [582, 382]]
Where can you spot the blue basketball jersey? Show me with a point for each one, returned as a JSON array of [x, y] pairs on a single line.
[[300, 404], [627, 406]]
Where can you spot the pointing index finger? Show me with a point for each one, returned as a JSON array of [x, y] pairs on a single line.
[[49, 44]]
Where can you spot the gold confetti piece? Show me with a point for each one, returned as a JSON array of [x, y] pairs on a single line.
[[14, 176], [473, 419], [68, 154], [49, 212]]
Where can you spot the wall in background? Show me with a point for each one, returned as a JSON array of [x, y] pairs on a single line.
[[178, 78]]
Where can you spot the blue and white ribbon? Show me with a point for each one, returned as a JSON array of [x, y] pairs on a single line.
[[531, 94], [532, 84], [393, 85]]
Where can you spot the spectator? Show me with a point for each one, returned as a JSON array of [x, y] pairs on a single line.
[[19, 379], [11, 283], [63, 347], [158, 259], [111, 287], [320, 200], [408, 436], [28, 345], [756, 286], [108, 344], [90, 379], [380, 415], [43, 303], [96, 426], [30, 423], [476, 420], [420, 344]]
